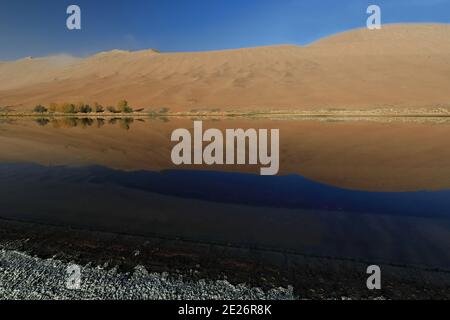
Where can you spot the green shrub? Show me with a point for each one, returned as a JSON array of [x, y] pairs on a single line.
[[68, 108], [123, 107], [111, 109], [85, 109], [40, 109], [122, 104], [98, 108], [53, 107], [127, 110]]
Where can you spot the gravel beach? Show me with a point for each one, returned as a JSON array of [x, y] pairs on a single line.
[[34, 259], [26, 277]]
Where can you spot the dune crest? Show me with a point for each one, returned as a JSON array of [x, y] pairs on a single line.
[[400, 66]]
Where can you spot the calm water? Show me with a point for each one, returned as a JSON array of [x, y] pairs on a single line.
[[376, 202]]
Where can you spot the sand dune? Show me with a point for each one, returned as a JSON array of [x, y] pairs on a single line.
[[398, 66]]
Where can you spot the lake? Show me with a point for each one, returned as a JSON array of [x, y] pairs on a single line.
[[372, 190]]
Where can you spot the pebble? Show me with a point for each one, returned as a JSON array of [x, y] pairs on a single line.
[[26, 277]]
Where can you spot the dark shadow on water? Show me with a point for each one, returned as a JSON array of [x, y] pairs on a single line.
[[289, 192], [287, 213]]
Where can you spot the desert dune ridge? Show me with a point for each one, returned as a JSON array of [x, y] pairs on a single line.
[[404, 66]]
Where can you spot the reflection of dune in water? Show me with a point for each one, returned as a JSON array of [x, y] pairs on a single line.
[[356, 155]]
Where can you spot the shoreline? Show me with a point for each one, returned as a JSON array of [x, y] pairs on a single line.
[[433, 118], [199, 265], [299, 114]]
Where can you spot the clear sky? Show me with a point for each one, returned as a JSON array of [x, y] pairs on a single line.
[[38, 28]]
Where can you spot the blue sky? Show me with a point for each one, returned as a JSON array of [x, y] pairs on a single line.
[[38, 28]]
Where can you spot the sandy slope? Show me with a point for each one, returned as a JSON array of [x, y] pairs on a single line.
[[400, 65]]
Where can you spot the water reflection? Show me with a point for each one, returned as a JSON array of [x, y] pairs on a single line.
[[347, 189], [72, 122], [367, 156]]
